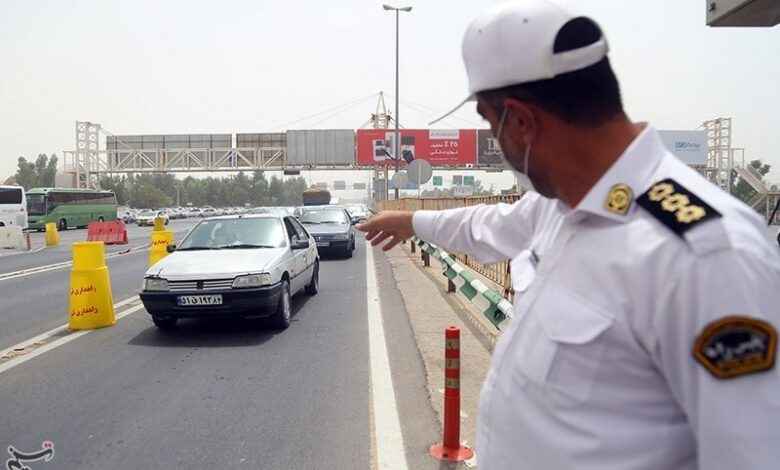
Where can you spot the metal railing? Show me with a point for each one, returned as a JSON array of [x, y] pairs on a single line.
[[497, 272]]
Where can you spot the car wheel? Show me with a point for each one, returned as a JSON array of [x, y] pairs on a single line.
[[166, 222], [353, 244], [62, 225], [778, 238], [348, 252], [283, 314], [101, 219], [164, 323], [314, 284]]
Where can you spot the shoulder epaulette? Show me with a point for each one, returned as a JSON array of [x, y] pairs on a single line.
[[675, 206]]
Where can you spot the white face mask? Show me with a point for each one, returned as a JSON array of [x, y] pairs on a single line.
[[521, 176]]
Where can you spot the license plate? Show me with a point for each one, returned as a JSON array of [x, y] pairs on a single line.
[[197, 300], [323, 243]]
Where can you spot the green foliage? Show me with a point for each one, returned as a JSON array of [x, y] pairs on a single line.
[[159, 190], [38, 174]]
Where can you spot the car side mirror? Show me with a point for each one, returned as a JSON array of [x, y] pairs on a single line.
[[170, 248], [353, 220], [299, 245]]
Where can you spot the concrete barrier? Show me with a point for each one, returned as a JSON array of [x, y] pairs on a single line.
[[12, 238]]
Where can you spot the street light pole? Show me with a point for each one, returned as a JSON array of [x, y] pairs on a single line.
[[397, 149]]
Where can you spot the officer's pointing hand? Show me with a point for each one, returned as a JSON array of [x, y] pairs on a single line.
[[395, 225]]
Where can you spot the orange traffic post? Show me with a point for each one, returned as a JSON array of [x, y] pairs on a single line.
[[451, 449]]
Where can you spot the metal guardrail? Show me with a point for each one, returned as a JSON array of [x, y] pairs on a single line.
[[497, 272]]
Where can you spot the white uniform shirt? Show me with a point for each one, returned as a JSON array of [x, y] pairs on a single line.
[[596, 370]]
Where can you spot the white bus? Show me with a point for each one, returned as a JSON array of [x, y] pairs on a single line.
[[13, 207]]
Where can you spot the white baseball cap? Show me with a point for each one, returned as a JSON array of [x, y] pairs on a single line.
[[513, 43]]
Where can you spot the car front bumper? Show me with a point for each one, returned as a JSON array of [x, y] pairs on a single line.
[[334, 245], [258, 302]]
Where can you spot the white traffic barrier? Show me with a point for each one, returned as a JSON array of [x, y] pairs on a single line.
[[12, 238]]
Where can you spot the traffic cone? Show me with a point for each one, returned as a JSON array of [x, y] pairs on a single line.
[[91, 302], [160, 242], [52, 236]]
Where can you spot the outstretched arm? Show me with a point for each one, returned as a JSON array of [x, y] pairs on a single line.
[[491, 233]]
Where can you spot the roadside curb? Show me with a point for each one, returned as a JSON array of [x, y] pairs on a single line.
[[493, 305]]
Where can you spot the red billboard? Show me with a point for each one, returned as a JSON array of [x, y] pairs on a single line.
[[438, 147]]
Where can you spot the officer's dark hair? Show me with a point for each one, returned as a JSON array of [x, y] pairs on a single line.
[[587, 97]]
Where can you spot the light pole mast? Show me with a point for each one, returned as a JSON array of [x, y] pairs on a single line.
[[397, 140]]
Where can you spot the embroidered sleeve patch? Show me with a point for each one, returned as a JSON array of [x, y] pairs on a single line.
[[675, 206], [735, 346]]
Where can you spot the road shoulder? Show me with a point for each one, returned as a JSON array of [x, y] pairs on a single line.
[[430, 310]]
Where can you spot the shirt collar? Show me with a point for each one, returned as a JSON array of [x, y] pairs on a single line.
[[631, 170]]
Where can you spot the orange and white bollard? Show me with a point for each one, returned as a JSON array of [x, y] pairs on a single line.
[[451, 449]]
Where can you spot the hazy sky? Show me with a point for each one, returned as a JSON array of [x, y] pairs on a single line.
[[196, 66]]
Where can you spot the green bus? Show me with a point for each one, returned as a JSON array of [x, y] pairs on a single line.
[[68, 207]]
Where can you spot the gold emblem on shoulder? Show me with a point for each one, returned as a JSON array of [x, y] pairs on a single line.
[[689, 214], [660, 192], [676, 207], [675, 202], [619, 199]]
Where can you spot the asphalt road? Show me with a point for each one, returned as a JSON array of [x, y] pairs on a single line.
[[211, 393], [11, 261]]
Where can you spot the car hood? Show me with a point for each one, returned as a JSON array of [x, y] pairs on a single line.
[[215, 264], [320, 229]]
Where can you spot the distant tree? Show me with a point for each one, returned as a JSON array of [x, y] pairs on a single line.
[[259, 189], [117, 184], [275, 191], [151, 196], [40, 173], [25, 174]]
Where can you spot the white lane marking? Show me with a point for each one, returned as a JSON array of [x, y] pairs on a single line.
[[64, 264], [68, 337], [387, 426]]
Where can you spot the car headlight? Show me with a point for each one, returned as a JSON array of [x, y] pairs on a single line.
[[156, 284], [252, 280], [341, 236]]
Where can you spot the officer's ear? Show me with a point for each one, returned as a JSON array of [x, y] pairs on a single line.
[[521, 120]]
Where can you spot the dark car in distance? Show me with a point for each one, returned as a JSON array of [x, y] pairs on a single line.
[[332, 228]]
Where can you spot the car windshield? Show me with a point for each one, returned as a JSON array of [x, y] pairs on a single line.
[[148, 214], [235, 233], [324, 216], [277, 210], [36, 204]]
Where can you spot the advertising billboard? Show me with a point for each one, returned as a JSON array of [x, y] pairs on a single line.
[[438, 147], [688, 146], [333, 147], [488, 150]]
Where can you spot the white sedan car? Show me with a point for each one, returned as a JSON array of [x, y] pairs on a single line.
[[234, 266], [147, 217]]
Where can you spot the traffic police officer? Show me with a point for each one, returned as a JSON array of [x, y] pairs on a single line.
[[646, 299]]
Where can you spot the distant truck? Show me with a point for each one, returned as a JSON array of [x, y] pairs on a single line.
[[316, 197]]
